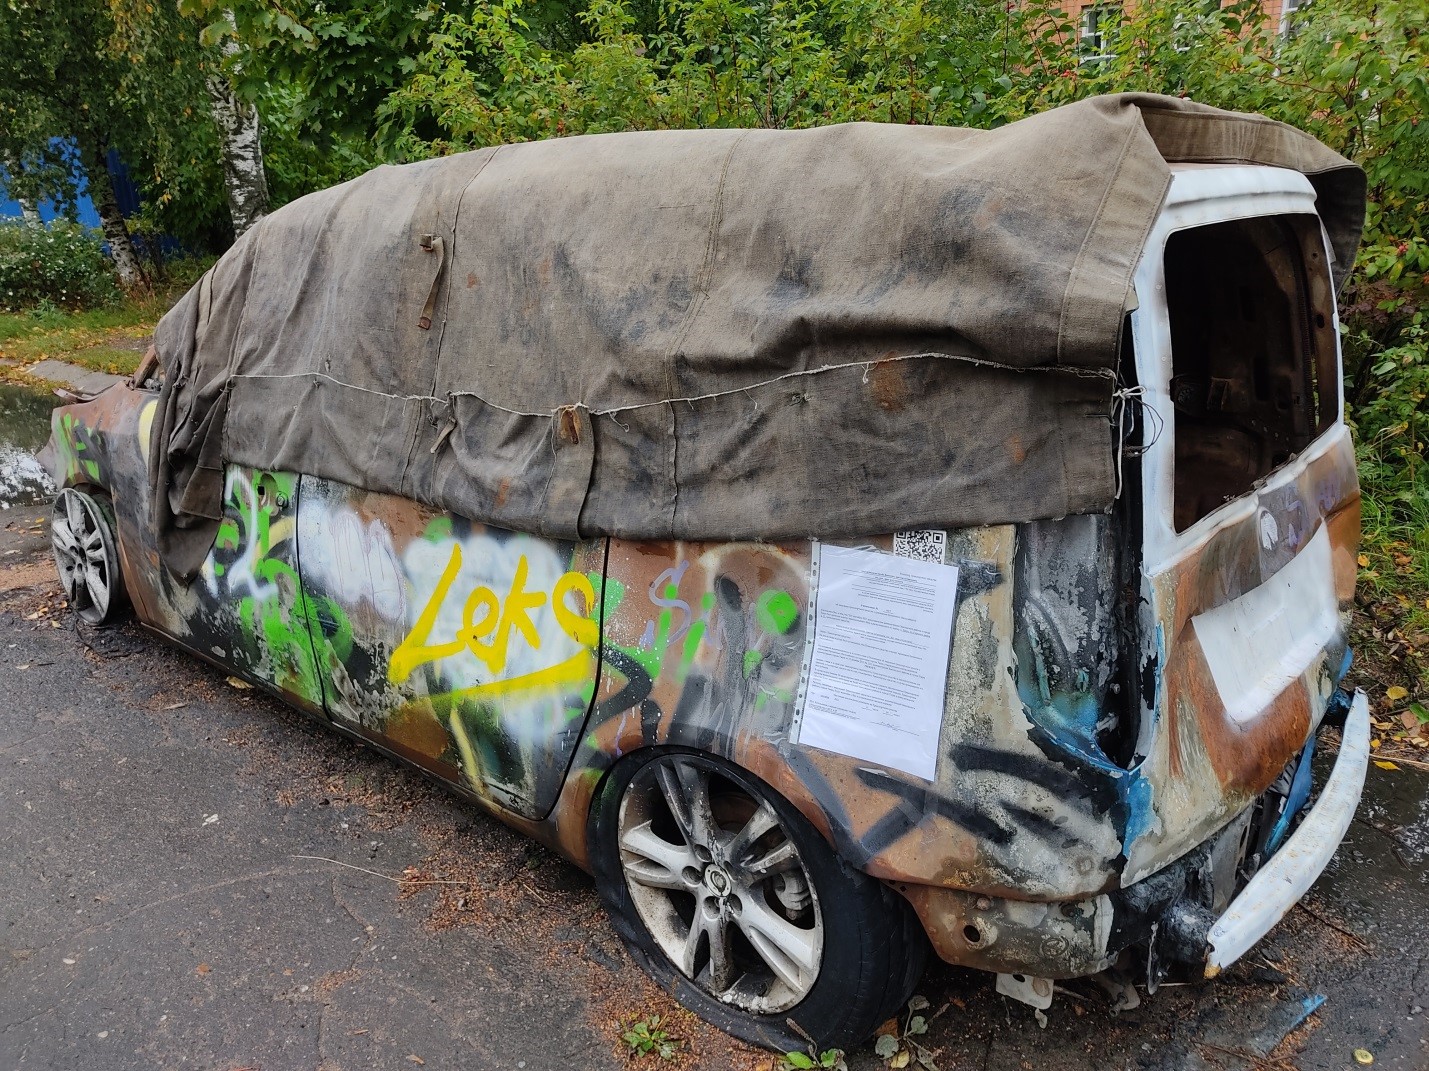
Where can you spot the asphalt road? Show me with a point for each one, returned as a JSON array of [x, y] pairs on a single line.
[[194, 876]]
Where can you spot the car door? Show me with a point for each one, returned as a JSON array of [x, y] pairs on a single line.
[[468, 649], [246, 608]]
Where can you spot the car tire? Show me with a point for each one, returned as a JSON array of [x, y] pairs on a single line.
[[82, 535], [665, 850]]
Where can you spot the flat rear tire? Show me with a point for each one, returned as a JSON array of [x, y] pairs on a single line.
[[729, 898]]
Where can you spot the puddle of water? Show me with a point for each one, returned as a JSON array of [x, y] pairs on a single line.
[[24, 428], [1380, 875]]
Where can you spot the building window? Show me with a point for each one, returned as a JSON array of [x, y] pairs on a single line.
[[1092, 37], [1287, 15]]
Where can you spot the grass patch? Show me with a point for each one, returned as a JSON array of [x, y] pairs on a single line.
[[27, 337], [101, 338], [1390, 629], [121, 361]]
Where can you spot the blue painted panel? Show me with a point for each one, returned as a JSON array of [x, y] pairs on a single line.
[[125, 192]]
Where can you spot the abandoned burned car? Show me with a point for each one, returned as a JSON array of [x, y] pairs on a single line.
[[844, 543]]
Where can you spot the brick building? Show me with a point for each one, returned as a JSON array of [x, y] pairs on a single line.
[[1089, 18]]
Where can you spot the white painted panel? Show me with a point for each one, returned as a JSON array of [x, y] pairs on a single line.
[[1289, 873], [1258, 644]]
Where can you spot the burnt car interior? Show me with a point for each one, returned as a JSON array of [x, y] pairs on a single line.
[[1252, 340]]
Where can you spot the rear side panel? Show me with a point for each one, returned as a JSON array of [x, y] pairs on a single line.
[[1247, 631]]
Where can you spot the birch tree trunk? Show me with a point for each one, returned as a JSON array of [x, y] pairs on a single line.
[[111, 220], [244, 179]]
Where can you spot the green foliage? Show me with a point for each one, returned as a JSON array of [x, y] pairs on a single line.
[[486, 76], [55, 82], [48, 267], [901, 1047], [646, 1037], [828, 1060], [1392, 424], [176, 156], [297, 163], [342, 56]]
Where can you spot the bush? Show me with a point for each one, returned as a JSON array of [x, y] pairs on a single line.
[[59, 263]]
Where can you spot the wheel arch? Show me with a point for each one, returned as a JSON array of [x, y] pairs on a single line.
[[577, 806]]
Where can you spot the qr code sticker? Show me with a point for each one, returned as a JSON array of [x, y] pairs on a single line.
[[926, 545]]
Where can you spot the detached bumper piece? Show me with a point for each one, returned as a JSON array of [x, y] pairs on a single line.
[[1288, 874]]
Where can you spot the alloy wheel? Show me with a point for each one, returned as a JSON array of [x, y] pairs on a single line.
[[719, 884], [85, 556]]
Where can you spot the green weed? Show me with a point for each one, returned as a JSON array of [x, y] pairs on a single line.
[[646, 1037]]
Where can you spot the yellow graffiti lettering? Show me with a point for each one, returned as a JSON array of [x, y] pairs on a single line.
[[487, 624], [572, 671], [514, 612], [578, 627], [414, 650]]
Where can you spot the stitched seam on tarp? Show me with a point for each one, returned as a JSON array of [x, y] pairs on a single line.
[[1080, 373]]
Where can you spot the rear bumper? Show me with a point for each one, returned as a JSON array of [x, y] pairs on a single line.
[[1169, 909], [1288, 874]]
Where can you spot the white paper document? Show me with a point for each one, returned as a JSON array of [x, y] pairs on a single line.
[[878, 664]]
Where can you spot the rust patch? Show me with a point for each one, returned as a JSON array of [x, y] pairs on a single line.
[[568, 425], [1015, 449], [889, 384], [502, 490], [414, 726], [471, 280], [1344, 528]]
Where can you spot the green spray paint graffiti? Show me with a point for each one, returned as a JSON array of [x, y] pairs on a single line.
[[78, 454], [291, 634]]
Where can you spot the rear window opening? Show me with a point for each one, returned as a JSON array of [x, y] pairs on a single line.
[[1254, 370]]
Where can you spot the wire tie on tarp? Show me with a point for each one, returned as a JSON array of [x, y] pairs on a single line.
[[1122, 420]]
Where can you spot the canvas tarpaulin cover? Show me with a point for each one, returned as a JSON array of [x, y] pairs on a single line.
[[702, 334]]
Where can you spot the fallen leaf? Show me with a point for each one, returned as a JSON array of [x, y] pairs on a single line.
[[414, 1058], [202, 968], [239, 683], [1396, 692], [1364, 561], [1383, 765]]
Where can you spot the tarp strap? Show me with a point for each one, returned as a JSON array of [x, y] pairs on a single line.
[[432, 243]]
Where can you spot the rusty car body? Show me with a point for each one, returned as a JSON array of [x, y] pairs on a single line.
[[1132, 698]]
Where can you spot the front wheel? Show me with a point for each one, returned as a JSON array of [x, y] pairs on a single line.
[[730, 898], [87, 555]]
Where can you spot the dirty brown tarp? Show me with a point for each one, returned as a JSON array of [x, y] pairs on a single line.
[[707, 334]]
